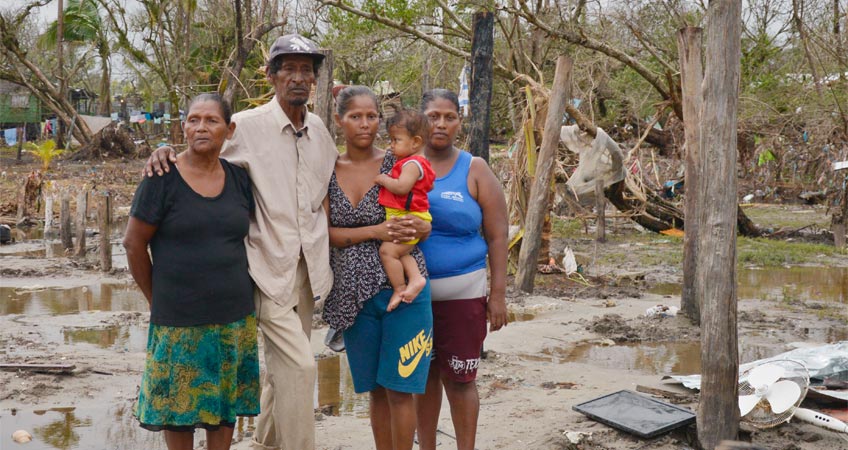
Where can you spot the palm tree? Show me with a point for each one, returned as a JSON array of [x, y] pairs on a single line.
[[84, 25]]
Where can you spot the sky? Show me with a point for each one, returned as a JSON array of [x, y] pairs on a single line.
[[44, 14]]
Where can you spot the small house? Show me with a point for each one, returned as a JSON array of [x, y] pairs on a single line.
[[18, 105]]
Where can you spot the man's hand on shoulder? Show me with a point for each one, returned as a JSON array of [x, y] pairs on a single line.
[[158, 161]]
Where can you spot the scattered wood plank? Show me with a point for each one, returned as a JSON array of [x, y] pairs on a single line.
[[675, 397], [736, 445], [65, 369]]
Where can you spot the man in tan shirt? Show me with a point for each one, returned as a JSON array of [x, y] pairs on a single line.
[[290, 157]]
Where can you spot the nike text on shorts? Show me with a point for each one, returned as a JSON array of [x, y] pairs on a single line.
[[391, 349]]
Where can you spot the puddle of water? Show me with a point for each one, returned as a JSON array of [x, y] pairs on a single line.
[[513, 316], [27, 233], [54, 249], [334, 392], [87, 428], [102, 297], [828, 334], [127, 338], [82, 429], [783, 284], [78, 428], [119, 226], [672, 358]]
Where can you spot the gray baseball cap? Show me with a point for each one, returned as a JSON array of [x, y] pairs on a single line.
[[295, 44]]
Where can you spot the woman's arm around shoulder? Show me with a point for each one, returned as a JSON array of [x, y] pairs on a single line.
[[490, 197]]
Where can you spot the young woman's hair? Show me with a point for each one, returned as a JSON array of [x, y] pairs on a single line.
[[413, 121], [226, 111], [435, 94], [347, 95]]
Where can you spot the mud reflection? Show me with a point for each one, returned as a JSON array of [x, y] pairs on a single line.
[[334, 394], [672, 358], [132, 339], [784, 284], [102, 297]]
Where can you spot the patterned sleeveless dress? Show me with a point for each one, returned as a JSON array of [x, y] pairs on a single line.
[[358, 273]]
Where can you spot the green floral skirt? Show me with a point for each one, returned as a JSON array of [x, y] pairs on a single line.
[[200, 376]]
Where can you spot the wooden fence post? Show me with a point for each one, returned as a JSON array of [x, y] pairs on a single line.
[[480, 88], [82, 206], [839, 216], [538, 201], [600, 207], [691, 76], [48, 215], [718, 409], [65, 220], [105, 218], [324, 91]]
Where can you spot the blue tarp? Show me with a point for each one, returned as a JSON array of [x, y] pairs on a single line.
[[11, 136]]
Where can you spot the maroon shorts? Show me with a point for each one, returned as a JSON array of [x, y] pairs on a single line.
[[459, 328]]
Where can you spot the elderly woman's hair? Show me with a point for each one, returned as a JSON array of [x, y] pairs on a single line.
[[413, 121], [226, 111], [435, 94], [347, 95]]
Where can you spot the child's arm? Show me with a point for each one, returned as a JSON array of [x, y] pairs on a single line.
[[409, 175]]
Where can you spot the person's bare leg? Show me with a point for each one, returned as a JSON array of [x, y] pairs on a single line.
[[179, 440], [402, 408], [416, 280], [219, 439], [390, 254], [381, 419], [427, 408], [465, 409]]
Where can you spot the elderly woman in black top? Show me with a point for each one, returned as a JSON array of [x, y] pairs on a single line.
[[202, 367]]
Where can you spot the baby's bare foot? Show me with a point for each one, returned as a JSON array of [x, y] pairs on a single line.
[[415, 286], [397, 297]]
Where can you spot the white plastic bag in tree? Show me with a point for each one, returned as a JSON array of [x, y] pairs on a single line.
[[599, 158]]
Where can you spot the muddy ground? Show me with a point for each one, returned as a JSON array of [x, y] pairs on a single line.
[[573, 340]]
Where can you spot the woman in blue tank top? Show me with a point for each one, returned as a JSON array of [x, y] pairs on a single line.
[[469, 225]]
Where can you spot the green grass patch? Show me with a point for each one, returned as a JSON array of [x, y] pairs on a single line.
[[9, 152], [770, 252], [566, 228], [786, 216]]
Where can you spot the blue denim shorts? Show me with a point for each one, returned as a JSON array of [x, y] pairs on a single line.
[[391, 349]]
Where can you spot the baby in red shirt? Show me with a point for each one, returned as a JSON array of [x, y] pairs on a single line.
[[403, 192]]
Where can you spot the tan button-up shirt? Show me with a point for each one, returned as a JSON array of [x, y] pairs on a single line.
[[290, 170]]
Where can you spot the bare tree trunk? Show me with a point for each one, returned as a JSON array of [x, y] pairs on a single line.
[[538, 203], [324, 91], [691, 74], [105, 107], [718, 411], [797, 11], [480, 90], [60, 68]]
